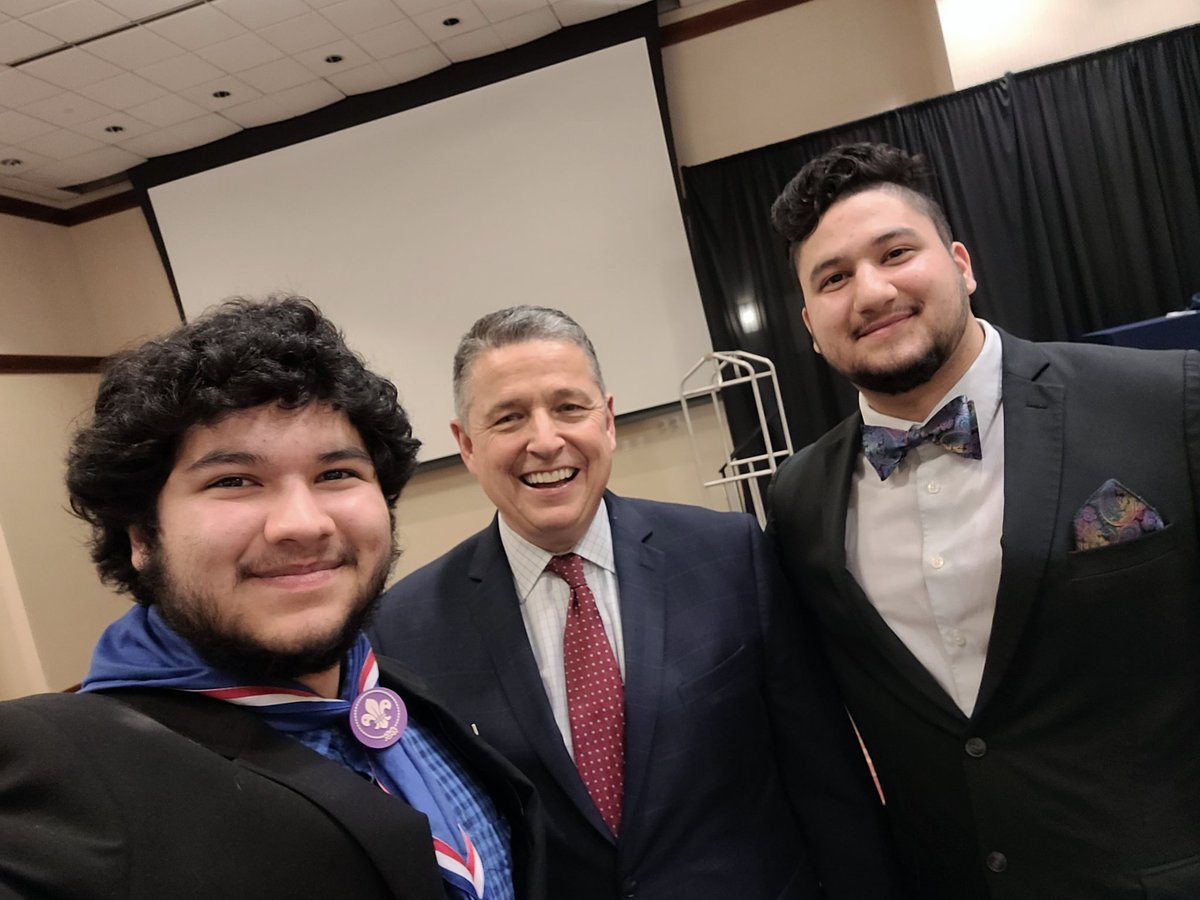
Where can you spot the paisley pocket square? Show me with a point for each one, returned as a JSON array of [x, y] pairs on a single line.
[[1112, 515]]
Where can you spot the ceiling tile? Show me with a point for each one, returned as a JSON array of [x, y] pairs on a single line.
[[122, 91], [301, 33], [167, 110], [128, 125], [416, 63], [370, 77], [193, 133], [321, 4], [352, 56], [238, 92], [415, 7], [140, 9], [88, 167], [357, 16], [61, 144], [260, 111], [18, 88], [499, 10], [237, 54], [306, 97], [468, 15], [76, 19], [256, 14], [71, 68], [572, 12], [197, 27], [528, 27], [20, 41], [16, 127], [472, 45], [277, 76], [180, 72], [66, 109], [134, 48], [19, 160], [19, 8], [392, 39]]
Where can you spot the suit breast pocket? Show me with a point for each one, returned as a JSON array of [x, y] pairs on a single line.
[[728, 677], [1126, 557]]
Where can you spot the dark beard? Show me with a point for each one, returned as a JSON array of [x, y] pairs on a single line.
[[197, 621], [900, 381]]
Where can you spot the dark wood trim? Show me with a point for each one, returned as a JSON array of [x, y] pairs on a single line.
[[96, 209], [725, 17], [20, 364]]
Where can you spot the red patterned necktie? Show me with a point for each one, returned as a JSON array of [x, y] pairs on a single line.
[[595, 695]]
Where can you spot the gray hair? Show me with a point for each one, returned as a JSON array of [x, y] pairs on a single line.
[[516, 325]]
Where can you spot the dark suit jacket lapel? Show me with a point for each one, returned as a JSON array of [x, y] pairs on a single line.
[[642, 583], [1033, 459], [497, 614], [394, 835], [841, 463]]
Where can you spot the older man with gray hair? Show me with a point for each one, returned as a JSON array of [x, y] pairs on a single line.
[[632, 658]]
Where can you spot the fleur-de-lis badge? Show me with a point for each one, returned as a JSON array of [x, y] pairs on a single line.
[[377, 713], [378, 717]]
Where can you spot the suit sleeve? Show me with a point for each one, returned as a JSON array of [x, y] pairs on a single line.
[[824, 770], [1191, 423], [59, 827]]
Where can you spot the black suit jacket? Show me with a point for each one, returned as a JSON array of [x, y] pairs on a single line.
[[1078, 774], [100, 799], [742, 775]]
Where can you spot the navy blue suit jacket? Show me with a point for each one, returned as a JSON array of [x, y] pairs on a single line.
[[743, 779]]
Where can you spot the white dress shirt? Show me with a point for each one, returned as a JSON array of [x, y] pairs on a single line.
[[545, 597], [925, 544]]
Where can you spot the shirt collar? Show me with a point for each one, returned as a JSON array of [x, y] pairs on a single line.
[[980, 384], [528, 561]]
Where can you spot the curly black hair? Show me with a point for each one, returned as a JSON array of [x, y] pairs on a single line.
[[846, 170], [242, 355]]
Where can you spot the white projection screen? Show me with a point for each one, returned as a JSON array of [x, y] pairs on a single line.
[[553, 187]]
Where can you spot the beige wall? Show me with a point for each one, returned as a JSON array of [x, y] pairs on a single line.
[[985, 40], [813, 66]]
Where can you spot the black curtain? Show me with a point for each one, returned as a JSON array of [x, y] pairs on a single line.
[[1076, 188]]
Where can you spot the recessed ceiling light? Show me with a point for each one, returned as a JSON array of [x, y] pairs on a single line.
[[451, 22], [114, 129], [11, 162], [221, 95], [333, 58]]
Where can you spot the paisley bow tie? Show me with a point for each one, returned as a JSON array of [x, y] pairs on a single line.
[[953, 427]]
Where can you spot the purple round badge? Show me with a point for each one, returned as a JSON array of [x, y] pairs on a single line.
[[378, 717]]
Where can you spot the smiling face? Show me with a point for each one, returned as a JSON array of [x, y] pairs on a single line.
[[887, 302], [539, 436], [273, 540]]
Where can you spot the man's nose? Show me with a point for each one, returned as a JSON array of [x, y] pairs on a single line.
[[545, 438], [873, 288], [297, 514]]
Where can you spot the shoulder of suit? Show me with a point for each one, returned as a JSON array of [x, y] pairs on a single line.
[[666, 514], [455, 562]]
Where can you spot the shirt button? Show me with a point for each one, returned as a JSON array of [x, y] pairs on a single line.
[[976, 747], [933, 487], [956, 637], [997, 861], [936, 561]]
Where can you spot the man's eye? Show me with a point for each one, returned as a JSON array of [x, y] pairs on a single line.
[[833, 280], [897, 253], [338, 474], [230, 481]]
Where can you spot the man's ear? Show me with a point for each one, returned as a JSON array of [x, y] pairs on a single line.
[[808, 325], [139, 548], [466, 449]]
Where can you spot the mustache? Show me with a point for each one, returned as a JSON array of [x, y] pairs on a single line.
[[294, 564]]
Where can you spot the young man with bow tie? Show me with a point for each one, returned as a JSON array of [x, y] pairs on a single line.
[[236, 735], [1002, 548]]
